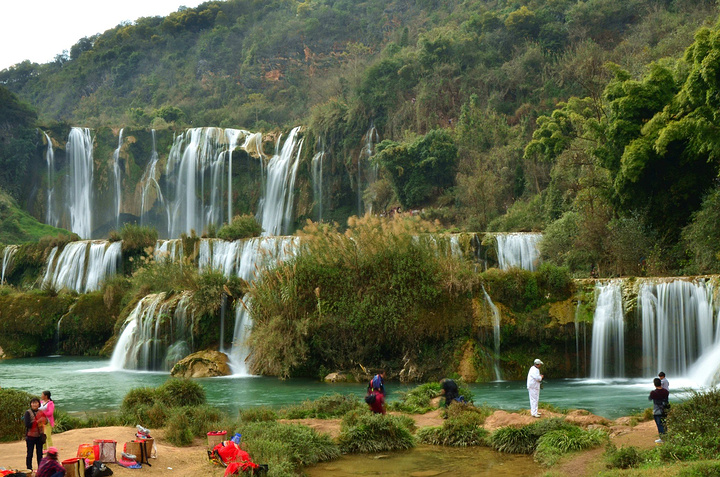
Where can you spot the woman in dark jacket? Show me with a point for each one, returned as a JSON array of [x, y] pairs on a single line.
[[34, 431]]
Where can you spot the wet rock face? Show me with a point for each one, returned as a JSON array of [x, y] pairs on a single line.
[[203, 364]]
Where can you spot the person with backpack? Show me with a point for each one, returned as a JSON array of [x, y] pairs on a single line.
[[376, 393], [50, 467], [35, 421], [659, 396]]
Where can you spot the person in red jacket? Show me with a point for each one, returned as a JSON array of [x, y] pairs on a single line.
[[49, 466]]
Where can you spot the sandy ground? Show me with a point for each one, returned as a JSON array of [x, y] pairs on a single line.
[[177, 461], [192, 460]]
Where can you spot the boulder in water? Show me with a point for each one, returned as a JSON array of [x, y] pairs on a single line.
[[338, 377], [203, 364]]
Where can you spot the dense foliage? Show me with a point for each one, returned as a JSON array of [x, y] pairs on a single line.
[[370, 295], [13, 404]]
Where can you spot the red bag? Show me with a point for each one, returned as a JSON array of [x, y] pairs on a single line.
[[231, 452]]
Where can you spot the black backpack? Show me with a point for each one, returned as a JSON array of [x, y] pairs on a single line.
[[370, 398], [98, 469]]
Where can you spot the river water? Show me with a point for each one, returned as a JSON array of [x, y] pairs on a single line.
[[81, 385]]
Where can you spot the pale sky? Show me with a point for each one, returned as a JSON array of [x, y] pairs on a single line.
[[38, 30]]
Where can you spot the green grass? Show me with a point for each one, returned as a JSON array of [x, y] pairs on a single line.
[[554, 444], [461, 430], [242, 226], [325, 407], [524, 440], [362, 432]]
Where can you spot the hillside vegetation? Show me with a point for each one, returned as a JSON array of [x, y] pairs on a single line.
[[591, 120]]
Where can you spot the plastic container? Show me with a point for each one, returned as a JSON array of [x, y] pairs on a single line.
[[74, 467], [236, 438]]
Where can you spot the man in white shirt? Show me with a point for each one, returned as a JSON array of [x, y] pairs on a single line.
[[534, 379], [663, 381]]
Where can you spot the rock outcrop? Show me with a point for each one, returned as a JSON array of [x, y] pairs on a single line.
[[203, 364]]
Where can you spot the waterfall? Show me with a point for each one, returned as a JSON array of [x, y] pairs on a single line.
[[82, 266], [149, 181], [171, 250], [80, 156], [365, 167], [677, 324], [518, 250], [243, 258], [496, 334], [196, 177], [150, 340], [51, 217], [577, 339], [607, 353], [117, 175], [276, 207], [317, 180], [8, 258]]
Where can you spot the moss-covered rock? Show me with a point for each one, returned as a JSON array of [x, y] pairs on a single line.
[[203, 364]]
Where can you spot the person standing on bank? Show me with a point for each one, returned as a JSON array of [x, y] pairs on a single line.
[[34, 431], [449, 389], [534, 379], [659, 397], [47, 406], [664, 382]]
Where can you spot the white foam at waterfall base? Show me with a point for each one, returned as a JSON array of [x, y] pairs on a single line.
[[237, 359], [518, 250], [607, 353], [80, 155]]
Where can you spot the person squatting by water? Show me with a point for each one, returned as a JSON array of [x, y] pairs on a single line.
[[449, 389], [659, 397], [47, 406], [664, 382], [35, 421], [534, 379], [50, 467]]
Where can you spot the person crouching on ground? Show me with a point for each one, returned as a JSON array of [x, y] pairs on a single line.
[[376, 400], [50, 467], [534, 379], [449, 389], [34, 431], [659, 397]]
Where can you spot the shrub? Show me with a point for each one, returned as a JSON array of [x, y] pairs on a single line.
[[13, 404], [258, 414], [325, 407], [624, 457], [178, 430], [694, 428], [375, 433], [417, 400], [181, 392], [137, 397], [286, 447], [524, 440], [242, 226], [554, 444], [701, 469], [462, 430], [137, 238]]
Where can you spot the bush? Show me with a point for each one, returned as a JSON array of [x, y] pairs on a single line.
[[325, 407], [137, 397], [137, 238], [375, 433], [524, 440], [694, 428], [286, 447], [461, 430], [417, 400], [186, 423], [181, 392], [554, 444], [624, 457], [242, 226], [13, 404], [258, 414], [701, 469]]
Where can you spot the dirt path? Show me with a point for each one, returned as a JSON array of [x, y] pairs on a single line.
[[192, 460]]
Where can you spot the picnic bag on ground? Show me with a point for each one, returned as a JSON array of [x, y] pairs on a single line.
[[87, 452], [138, 449], [107, 453], [74, 467]]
